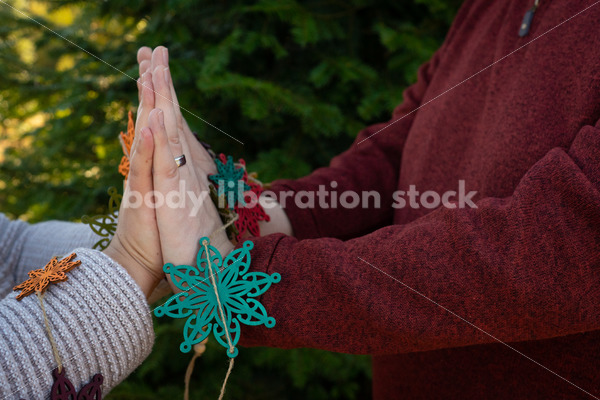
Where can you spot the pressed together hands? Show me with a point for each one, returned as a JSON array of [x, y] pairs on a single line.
[[147, 237]]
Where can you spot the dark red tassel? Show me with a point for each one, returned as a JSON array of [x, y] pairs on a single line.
[[63, 389], [93, 390]]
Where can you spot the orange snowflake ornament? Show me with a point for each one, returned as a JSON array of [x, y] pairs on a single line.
[[126, 140], [39, 279]]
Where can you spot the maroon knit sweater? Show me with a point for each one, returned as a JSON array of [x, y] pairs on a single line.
[[524, 266]]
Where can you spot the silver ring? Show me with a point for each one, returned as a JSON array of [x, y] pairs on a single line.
[[180, 161]]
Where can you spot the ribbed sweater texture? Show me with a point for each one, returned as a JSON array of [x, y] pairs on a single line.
[[100, 318]]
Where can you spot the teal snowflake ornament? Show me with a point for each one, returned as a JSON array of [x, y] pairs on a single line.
[[223, 312], [230, 181]]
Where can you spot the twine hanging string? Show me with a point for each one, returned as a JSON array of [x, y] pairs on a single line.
[[198, 351], [40, 296], [222, 314], [224, 227]]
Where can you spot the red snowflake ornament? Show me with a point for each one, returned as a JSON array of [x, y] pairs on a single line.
[[248, 217]]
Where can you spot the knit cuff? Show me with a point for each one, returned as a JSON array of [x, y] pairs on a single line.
[[100, 320]]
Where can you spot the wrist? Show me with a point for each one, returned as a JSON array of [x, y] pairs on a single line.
[[222, 243], [140, 274], [278, 219]]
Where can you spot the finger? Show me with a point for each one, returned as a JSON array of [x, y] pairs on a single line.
[[167, 178], [160, 56], [140, 170], [164, 102], [176, 108], [139, 87], [146, 101], [190, 144], [144, 53], [166, 172], [185, 133], [145, 66], [165, 55], [162, 53]]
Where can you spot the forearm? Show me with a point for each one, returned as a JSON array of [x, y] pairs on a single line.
[[24, 247], [100, 321], [520, 268], [44, 240], [145, 281]]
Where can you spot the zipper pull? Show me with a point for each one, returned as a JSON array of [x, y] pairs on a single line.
[[527, 19]]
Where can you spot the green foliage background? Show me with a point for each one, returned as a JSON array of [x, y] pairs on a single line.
[[293, 80]]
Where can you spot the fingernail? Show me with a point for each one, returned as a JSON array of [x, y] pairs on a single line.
[[166, 56], [167, 75], [161, 118], [145, 133]]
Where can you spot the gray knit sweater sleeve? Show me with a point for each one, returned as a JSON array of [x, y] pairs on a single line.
[[33, 245], [100, 318]]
